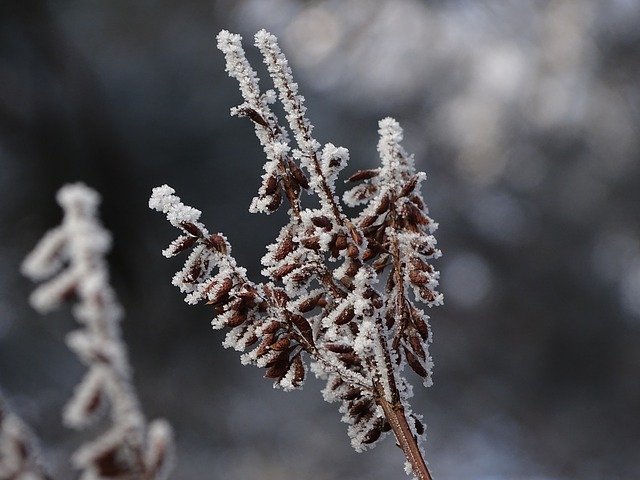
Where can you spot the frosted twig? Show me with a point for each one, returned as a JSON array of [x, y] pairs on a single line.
[[18, 456], [70, 261], [321, 300]]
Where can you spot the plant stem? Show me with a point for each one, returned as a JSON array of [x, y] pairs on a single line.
[[397, 419]]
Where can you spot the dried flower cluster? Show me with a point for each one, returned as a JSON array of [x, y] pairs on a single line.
[[320, 303], [18, 459], [70, 259]]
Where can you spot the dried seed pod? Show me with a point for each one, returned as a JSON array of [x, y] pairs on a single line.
[[420, 324], [418, 277], [417, 201], [350, 359], [277, 370], [272, 327], [338, 347], [298, 175], [191, 228], [414, 215], [282, 344], [218, 242], [284, 248], [352, 251], [312, 243], [419, 425], [368, 221], [309, 304], [381, 262], [181, 244], [427, 294], [322, 222], [341, 241], [409, 186], [373, 434], [419, 264], [237, 319], [270, 185], [386, 426], [335, 383], [284, 270], [218, 290], [351, 394], [383, 206], [274, 203], [299, 370], [364, 175], [254, 116], [345, 316], [414, 363], [368, 254], [359, 409], [302, 324], [416, 345]]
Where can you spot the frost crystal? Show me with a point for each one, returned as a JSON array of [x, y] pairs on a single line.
[[70, 261], [321, 302]]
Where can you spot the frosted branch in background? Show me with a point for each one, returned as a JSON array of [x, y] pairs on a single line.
[[18, 455], [70, 261]]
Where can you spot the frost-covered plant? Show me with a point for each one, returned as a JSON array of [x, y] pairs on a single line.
[[18, 457], [70, 259], [321, 303]]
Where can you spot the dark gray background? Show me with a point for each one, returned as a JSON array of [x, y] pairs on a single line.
[[525, 116]]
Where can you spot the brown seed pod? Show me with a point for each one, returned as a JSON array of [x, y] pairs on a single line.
[[414, 215], [299, 370], [352, 251], [237, 319], [351, 394], [298, 175], [284, 270], [419, 425], [409, 186], [272, 327], [367, 221], [414, 363], [427, 294], [270, 185], [421, 325], [282, 344], [218, 290], [373, 434], [184, 244], [418, 277], [274, 203], [341, 241], [416, 345], [312, 243], [309, 304], [364, 175], [284, 248], [218, 242], [350, 359], [383, 206], [338, 347], [302, 324], [335, 383], [277, 370], [417, 201], [322, 222], [345, 316], [254, 116], [191, 228]]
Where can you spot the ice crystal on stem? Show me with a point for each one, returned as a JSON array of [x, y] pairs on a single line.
[[321, 302], [70, 261]]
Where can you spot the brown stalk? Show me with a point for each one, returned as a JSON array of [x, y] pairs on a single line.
[[395, 414]]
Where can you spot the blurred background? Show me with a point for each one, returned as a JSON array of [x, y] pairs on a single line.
[[526, 118]]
